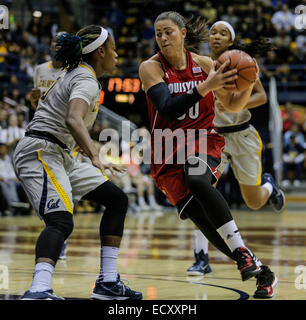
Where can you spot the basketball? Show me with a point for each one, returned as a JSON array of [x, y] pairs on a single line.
[[246, 68]]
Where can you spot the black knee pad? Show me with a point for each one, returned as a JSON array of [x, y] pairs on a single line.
[[60, 220], [49, 244]]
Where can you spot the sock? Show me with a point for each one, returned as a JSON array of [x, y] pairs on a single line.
[[108, 269], [42, 277], [231, 236], [201, 242], [269, 187], [152, 201], [141, 201]]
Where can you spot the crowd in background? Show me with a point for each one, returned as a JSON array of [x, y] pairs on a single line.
[[131, 24]]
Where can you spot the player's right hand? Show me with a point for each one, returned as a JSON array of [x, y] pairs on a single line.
[[217, 79]]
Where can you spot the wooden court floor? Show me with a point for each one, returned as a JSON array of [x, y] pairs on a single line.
[[156, 250]]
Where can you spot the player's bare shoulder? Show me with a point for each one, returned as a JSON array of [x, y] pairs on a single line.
[[205, 62], [151, 64], [150, 72]]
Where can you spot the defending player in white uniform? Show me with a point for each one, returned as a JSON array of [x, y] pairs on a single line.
[[55, 181]]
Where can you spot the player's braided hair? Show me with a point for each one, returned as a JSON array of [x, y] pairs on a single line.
[[197, 31], [69, 46], [260, 46]]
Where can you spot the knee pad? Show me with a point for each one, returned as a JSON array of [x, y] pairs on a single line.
[[61, 221]]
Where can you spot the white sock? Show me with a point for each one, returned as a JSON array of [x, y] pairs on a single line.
[[152, 201], [201, 242], [269, 187], [141, 201], [108, 269], [42, 277], [231, 236]]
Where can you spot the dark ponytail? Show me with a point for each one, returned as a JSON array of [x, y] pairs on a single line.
[[260, 46], [197, 31], [68, 50], [69, 47]]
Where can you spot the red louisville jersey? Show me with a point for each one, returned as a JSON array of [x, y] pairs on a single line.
[[186, 128]]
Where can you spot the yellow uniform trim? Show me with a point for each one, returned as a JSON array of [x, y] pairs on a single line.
[[92, 71], [49, 65], [258, 182], [62, 193]]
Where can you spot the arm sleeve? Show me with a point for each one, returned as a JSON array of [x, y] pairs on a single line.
[[84, 88], [169, 107]]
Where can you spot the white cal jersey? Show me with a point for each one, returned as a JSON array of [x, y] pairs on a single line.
[[50, 115], [227, 119], [45, 75]]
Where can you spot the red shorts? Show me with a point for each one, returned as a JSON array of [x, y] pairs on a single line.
[[172, 181]]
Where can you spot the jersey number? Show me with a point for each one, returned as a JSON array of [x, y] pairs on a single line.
[[193, 112]]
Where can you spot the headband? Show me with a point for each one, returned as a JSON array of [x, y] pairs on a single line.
[[229, 27], [97, 43]]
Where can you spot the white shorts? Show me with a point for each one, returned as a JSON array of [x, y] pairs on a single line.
[[243, 149], [53, 180]]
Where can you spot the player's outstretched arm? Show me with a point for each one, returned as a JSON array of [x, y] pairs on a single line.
[[258, 96]]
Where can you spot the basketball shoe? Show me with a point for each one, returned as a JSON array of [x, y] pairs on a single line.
[[246, 263], [44, 295], [201, 265], [266, 281], [114, 291], [277, 198]]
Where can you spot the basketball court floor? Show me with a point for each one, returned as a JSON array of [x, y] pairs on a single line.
[[156, 250]]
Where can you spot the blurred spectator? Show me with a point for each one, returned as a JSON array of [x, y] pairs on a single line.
[[114, 15], [296, 131], [148, 32], [209, 12], [13, 133], [283, 19], [3, 51], [282, 39], [289, 116], [10, 186], [293, 159], [301, 43], [230, 17], [3, 117]]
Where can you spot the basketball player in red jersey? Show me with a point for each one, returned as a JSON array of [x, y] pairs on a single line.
[[179, 86]]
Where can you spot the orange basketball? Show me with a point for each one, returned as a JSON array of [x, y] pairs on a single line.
[[246, 68]]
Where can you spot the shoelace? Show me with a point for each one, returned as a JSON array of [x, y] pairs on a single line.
[[124, 283]]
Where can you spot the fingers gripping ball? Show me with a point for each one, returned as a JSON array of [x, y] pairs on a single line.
[[246, 68]]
